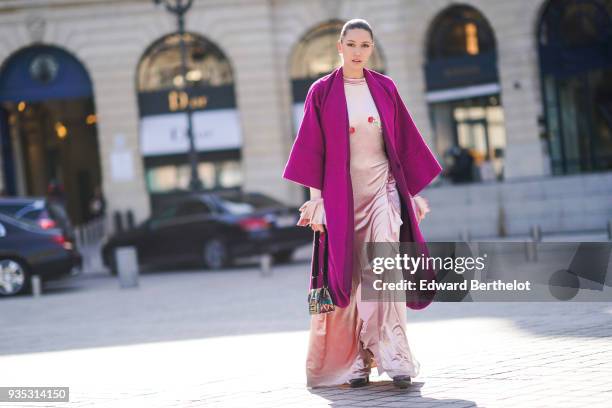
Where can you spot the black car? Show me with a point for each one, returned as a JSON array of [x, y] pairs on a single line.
[[46, 213], [26, 250], [213, 229]]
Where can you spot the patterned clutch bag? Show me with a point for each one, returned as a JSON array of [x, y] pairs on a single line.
[[319, 299]]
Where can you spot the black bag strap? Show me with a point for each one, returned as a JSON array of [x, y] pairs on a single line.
[[315, 260]]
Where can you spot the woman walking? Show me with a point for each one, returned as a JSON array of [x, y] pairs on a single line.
[[364, 161]]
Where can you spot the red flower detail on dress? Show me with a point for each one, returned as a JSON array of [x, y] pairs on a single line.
[[371, 119], [351, 130]]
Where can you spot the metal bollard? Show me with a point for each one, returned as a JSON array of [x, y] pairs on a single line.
[[78, 236], [129, 216], [126, 261], [464, 235], [86, 235], [536, 233], [118, 221], [36, 285], [265, 264], [532, 246]]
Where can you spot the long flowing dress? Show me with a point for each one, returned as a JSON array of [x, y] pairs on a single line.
[[348, 342]]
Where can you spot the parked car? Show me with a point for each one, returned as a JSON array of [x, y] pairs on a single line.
[[47, 214], [213, 229], [27, 249]]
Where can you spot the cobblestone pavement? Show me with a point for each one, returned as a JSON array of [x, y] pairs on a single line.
[[235, 338]]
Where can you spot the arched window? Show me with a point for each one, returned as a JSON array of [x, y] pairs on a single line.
[[571, 24], [316, 55], [160, 68], [460, 31], [464, 95], [575, 39], [163, 99], [48, 128]]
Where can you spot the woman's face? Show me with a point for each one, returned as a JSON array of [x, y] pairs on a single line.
[[356, 48]]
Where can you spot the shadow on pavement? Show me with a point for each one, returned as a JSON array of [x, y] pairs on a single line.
[[384, 393]]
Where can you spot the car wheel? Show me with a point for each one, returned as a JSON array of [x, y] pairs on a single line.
[[215, 254], [283, 256], [14, 277]]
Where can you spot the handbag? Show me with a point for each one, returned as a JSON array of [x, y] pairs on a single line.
[[319, 299]]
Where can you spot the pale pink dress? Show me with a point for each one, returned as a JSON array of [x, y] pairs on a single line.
[[348, 342]]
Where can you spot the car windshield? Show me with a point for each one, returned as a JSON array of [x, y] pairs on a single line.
[[32, 215], [26, 211], [21, 223], [12, 209], [35, 209], [247, 203]]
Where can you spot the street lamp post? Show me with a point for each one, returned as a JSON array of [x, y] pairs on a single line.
[[180, 8]]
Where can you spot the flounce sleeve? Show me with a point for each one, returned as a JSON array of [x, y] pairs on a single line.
[[419, 202], [312, 212]]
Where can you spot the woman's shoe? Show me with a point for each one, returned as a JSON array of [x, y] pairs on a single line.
[[359, 382], [402, 381]]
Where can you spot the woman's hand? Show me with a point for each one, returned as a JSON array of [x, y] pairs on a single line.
[[422, 207], [312, 214], [318, 227]]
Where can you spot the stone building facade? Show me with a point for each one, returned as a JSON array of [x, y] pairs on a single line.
[[259, 38]]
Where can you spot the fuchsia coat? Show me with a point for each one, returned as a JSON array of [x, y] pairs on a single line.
[[320, 158]]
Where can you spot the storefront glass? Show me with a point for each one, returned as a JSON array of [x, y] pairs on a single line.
[[163, 97]]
